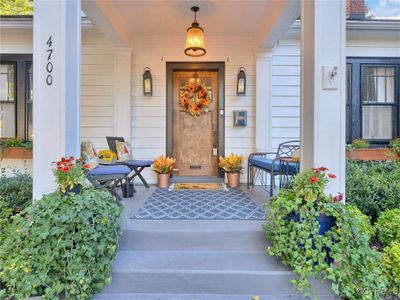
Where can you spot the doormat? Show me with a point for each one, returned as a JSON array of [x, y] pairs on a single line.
[[198, 186], [166, 204]]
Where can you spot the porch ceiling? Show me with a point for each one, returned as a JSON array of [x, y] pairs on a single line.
[[260, 19]]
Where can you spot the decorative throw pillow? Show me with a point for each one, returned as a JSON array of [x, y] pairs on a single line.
[[124, 151], [89, 154]]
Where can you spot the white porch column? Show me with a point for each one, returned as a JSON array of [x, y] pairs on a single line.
[[122, 93], [263, 99], [322, 95], [56, 111]]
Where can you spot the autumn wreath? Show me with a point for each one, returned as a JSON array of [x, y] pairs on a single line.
[[194, 99]]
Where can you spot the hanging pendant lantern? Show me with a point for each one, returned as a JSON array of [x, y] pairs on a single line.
[[195, 38]]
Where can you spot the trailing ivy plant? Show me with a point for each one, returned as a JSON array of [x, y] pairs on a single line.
[[357, 272], [61, 247], [294, 232]]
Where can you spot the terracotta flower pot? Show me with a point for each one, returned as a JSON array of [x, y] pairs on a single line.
[[233, 179], [163, 180]]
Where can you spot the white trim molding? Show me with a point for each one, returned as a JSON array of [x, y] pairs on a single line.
[[122, 92], [263, 98]]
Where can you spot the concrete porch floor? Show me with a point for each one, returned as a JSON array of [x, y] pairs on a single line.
[[197, 259]]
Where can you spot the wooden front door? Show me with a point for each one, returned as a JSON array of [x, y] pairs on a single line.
[[195, 138]]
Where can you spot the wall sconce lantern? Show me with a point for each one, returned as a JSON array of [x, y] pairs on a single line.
[[147, 82], [241, 82]]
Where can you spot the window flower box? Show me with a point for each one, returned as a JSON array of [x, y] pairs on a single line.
[[372, 154], [17, 153]]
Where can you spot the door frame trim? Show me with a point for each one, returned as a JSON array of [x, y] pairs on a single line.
[[197, 66]]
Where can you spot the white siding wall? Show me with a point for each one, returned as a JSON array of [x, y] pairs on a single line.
[[286, 76], [149, 113], [285, 92], [97, 92]]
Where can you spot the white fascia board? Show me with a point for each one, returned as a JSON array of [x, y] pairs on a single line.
[[27, 22]]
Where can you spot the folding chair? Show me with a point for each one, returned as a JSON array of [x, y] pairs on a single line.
[[108, 177], [136, 166]]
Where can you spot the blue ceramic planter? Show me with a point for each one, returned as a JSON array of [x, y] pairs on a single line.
[[325, 224]]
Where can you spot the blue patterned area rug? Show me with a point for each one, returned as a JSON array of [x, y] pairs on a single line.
[[165, 204]]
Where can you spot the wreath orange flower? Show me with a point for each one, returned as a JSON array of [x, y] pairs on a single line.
[[194, 99]]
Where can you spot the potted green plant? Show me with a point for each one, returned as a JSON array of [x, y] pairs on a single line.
[[16, 149], [317, 235], [163, 167], [232, 166], [69, 175]]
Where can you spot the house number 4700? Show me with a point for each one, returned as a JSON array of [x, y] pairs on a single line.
[[49, 65]]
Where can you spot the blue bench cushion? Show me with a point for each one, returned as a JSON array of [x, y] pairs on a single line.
[[138, 163], [266, 164], [110, 170]]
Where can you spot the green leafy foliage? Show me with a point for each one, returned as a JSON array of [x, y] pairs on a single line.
[[16, 142], [391, 267], [16, 192], [395, 144], [359, 144], [61, 246], [16, 7], [388, 227], [357, 272], [373, 186], [293, 230]]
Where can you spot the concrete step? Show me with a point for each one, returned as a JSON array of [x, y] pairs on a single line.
[[132, 261], [200, 297], [193, 235], [202, 272], [199, 260], [207, 282]]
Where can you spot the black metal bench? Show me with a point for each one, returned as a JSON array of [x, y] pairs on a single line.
[[262, 163]]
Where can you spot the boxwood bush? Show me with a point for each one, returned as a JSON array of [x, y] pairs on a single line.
[[61, 247], [16, 192], [391, 267], [388, 227], [373, 186]]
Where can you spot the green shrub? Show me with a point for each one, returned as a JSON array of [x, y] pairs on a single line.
[[360, 144], [356, 274], [364, 220], [388, 227], [391, 267], [373, 186], [395, 144], [61, 247], [16, 192]]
